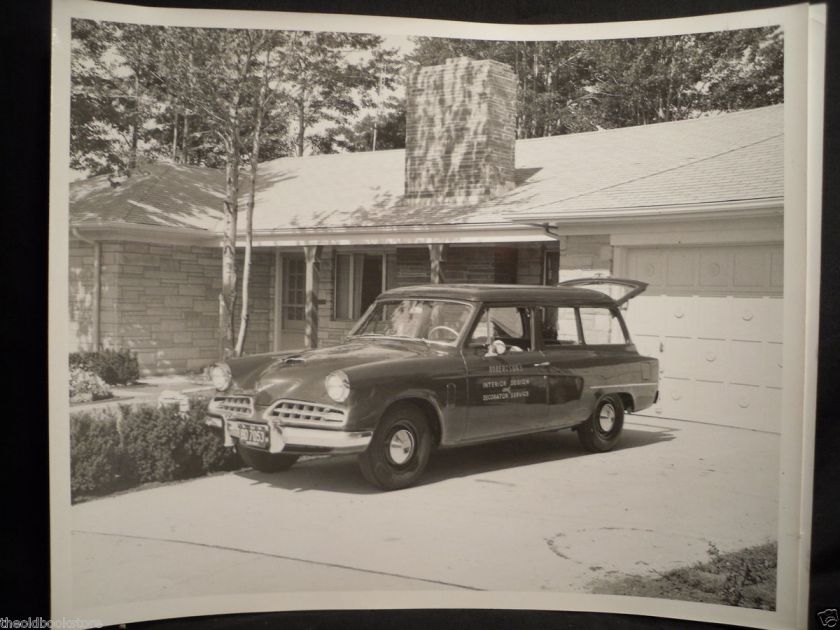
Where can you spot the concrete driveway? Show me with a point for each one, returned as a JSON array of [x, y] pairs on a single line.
[[528, 514]]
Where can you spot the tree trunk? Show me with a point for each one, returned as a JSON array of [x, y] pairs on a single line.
[[175, 138], [227, 298], [135, 123], [249, 214], [301, 105], [185, 148]]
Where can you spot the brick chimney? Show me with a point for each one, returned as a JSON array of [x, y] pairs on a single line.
[[460, 132]]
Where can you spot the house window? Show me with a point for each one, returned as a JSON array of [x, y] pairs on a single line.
[[358, 281], [294, 302]]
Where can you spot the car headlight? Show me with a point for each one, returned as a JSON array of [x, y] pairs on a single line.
[[220, 376], [338, 386]]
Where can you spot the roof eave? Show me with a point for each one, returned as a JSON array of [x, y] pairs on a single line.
[[335, 236], [163, 234], [740, 209]]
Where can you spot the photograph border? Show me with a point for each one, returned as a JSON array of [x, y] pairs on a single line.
[[803, 97]]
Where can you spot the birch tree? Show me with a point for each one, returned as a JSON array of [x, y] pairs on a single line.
[[215, 68]]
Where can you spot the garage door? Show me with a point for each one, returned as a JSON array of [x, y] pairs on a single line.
[[713, 318]]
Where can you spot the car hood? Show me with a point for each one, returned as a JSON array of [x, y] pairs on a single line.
[[300, 375]]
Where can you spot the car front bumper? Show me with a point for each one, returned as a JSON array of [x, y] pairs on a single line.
[[289, 439]]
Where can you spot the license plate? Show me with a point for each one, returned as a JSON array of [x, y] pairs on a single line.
[[252, 435]]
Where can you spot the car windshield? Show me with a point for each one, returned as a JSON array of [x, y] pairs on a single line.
[[431, 320]]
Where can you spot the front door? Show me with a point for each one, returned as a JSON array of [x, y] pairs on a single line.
[[293, 305], [507, 391]]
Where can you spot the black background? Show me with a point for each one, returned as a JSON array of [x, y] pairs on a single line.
[[24, 589]]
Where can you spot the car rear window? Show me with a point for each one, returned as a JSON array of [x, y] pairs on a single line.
[[559, 326], [601, 326]]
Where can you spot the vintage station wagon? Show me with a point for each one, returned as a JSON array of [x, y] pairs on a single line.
[[439, 366]]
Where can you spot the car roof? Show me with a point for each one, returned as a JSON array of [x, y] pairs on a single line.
[[502, 293]]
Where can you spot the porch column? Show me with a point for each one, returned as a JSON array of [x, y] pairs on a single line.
[[436, 257], [312, 254]]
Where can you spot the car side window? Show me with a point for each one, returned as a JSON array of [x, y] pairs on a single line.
[[559, 326], [601, 326], [508, 323]]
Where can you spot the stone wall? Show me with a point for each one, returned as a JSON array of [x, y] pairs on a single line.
[[81, 295], [162, 302], [585, 255]]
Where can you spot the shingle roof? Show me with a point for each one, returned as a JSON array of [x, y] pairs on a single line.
[[710, 160]]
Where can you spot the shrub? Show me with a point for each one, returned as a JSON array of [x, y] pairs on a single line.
[[86, 386], [207, 443], [115, 367], [161, 444], [147, 444], [95, 452]]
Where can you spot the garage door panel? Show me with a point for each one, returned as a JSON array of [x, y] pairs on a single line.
[[746, 406], [681, 271], [645, 316], [709, 396], [681, 319], [708, 360], [713, 315], [751, 268], [777, 265], [677, 398], [715, 267], [753, 319], [772, 420], [774, 327], [648, 266], [773, 361], [681, 358], [747, 363]]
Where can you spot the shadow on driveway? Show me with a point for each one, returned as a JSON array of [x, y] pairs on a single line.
[[341, 474]]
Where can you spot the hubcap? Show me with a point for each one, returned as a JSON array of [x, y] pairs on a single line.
[[401, 446], [606, 418]]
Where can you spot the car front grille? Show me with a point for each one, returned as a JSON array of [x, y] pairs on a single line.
[[236, 406], [295, 412]]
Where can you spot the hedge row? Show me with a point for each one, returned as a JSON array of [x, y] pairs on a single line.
[[115, 367], [111, 451]]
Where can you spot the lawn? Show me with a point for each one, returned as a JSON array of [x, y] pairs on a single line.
[[745, 578]]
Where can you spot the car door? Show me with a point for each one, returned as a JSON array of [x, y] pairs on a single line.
[[570, 365], [507, 392]]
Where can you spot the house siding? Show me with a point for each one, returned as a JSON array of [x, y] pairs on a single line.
[[585, 255], [81, 294], [161, 301]]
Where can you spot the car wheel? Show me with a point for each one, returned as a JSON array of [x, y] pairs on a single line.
[[601, 431], [266, 462], [399, 450]]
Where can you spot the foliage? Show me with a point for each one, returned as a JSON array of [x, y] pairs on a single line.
[[143, 443], [745, 578], [95, 452], [568, 87], [388, 127], [114, 367], [86, 386]]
